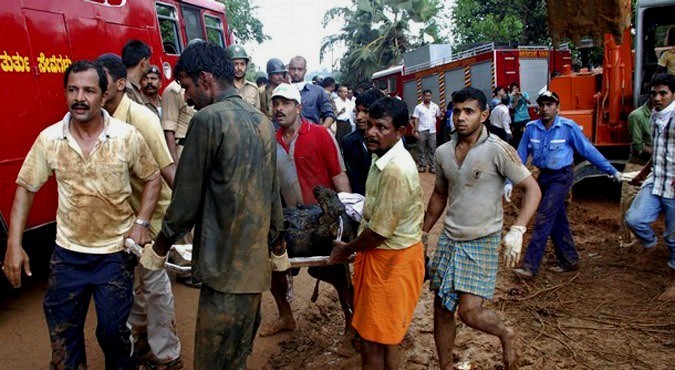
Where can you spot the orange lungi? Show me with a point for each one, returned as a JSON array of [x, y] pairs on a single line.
[[387, 286]]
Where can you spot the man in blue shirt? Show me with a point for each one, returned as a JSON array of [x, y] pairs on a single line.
[[551, 142], [316, 104]]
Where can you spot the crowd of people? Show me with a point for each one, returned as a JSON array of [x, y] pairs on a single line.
[[216, 158]]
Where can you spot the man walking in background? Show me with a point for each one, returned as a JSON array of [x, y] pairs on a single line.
[[424, 122]]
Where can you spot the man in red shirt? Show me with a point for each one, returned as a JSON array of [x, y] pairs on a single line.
[[307, 156]]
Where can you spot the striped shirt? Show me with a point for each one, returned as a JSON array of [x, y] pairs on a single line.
[[663, 166]]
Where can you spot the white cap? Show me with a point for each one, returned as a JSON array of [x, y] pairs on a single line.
[[287, 91]]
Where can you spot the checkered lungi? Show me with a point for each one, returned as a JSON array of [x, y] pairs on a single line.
[[468, 266]]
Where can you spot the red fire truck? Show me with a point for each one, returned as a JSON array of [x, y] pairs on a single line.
[[483, 67], [41, 38]]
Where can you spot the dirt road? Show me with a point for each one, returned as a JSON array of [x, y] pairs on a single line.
[[604, 316]]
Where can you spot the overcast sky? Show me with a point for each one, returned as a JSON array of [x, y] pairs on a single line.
[[295, 29]]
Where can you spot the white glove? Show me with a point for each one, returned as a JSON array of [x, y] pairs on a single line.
[[150, 260], [280, 263], [513, 241], [508, 190], [617, 176]]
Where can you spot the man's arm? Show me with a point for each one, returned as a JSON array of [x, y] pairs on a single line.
[[171, 144], [435, 208], [326, 113], [590, 152], [168, 174], [15, 256], [368, 239], [150, 196], [530, 201], [642, 175], [341, 183]]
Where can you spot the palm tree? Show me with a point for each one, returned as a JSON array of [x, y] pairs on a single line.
[[377, 33]]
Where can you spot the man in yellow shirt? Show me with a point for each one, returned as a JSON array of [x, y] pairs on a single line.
[[389, 265], [92, 156], [152, 314]]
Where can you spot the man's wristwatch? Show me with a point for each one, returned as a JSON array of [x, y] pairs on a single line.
[[142, 222]]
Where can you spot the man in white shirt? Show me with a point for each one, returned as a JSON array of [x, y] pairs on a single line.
[[500, 120], [344, 108], [424, 123]]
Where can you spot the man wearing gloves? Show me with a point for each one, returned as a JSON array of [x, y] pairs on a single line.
[[552, 141], [232, 234], [471, 170]]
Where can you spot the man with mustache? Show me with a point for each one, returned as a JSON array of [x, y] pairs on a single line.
[[389, 265], [307, 156], [93, 156], [471, 170], [152, 315], [354, 149], [150, 86]]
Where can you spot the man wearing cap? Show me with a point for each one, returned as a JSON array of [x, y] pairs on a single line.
[[150, 86], [316, 104], [136, 57], [276, 74], [552, 141], [307, 156], [247, 89]]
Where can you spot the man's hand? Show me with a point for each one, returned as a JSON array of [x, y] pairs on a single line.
[[140, 234], [150, 260], [280, 262], [416, 133], [508, 191], [638, 179], [617, 176], [513, 243], [340, 253], [16, 259]]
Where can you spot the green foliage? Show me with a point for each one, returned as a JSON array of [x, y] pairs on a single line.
[[243, 22], [376, 33], [521, 21]]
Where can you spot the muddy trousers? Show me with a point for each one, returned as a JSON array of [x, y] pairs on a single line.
[[426, 143], [74, 279], [643, 212], [226, 326], [153, 313], [551, 220]]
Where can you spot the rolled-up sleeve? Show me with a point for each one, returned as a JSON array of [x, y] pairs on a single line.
[[35, 169]]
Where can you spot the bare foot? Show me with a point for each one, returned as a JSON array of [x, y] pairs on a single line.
[[668, 294], [510, 348], [408, 341], [278, 326]]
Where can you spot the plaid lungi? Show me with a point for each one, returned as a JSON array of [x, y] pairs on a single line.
[[468, 266]]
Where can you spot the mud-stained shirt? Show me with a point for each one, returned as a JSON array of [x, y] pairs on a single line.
[[474, 189], [394, 206], [250, 94], [93, 210], [226, 186], [134, 93], [148, 125], [176, 113]]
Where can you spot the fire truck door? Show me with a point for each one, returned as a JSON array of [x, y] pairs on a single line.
[[533, 76], [481, 77], [454, 81], [51, 55], [431, 83]]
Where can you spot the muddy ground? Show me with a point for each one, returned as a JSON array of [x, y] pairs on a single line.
[[604, 316]]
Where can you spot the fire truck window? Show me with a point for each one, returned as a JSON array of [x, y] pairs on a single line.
[[214, 30], [168, 26], [193, 24]]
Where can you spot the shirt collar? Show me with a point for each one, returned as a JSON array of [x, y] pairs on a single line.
[[481, 138], [305, 126], [556, 122], [227, 93], [122, 107], [102, 137], [383, 161]]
